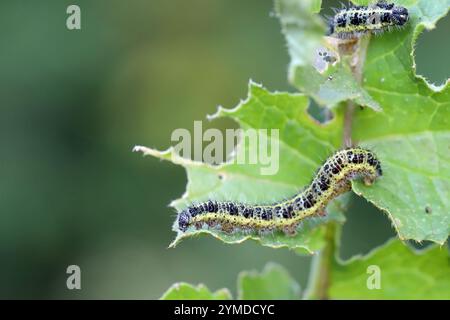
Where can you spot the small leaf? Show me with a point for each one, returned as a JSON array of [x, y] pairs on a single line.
[[185, 291], [273, 283], [404, 273], [302, 28]]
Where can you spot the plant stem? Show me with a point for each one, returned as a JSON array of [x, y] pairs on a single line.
[[321, 265], [320, 277], [348, 120], [357, 65]]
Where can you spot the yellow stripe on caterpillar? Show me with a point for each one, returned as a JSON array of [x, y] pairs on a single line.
[[332, 179]]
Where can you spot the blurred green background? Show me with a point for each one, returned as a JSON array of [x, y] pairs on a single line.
[[74, 103]]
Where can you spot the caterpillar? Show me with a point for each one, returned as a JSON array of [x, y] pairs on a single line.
[[349, 23], [332, 179]]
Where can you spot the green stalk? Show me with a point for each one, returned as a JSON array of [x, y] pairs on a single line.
[[321, 266], [319, 281]]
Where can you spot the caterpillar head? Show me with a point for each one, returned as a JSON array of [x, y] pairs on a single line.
[[183, 220], [400, 15]]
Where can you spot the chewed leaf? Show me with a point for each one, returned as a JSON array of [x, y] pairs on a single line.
[[393, 271], [303, 145], [185, 291]]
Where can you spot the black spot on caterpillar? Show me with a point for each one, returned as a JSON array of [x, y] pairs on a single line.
[[332, 179], [354, 21]]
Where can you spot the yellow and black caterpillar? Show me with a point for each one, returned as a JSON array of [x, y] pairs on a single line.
[[332, 179], [354, 21]]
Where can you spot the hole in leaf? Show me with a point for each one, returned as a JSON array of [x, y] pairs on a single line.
[[432, 52], [366, 227], [319, 113]]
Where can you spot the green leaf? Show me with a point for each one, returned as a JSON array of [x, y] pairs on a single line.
[[404, 274], [273, 283], [185, 291], [411, 136], [304, 144], [304, 36]]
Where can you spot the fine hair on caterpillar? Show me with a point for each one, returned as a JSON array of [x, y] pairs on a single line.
[[354, 21], [332, 179]]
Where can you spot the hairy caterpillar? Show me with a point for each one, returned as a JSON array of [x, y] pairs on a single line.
[[332, 179], [352, 22]]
